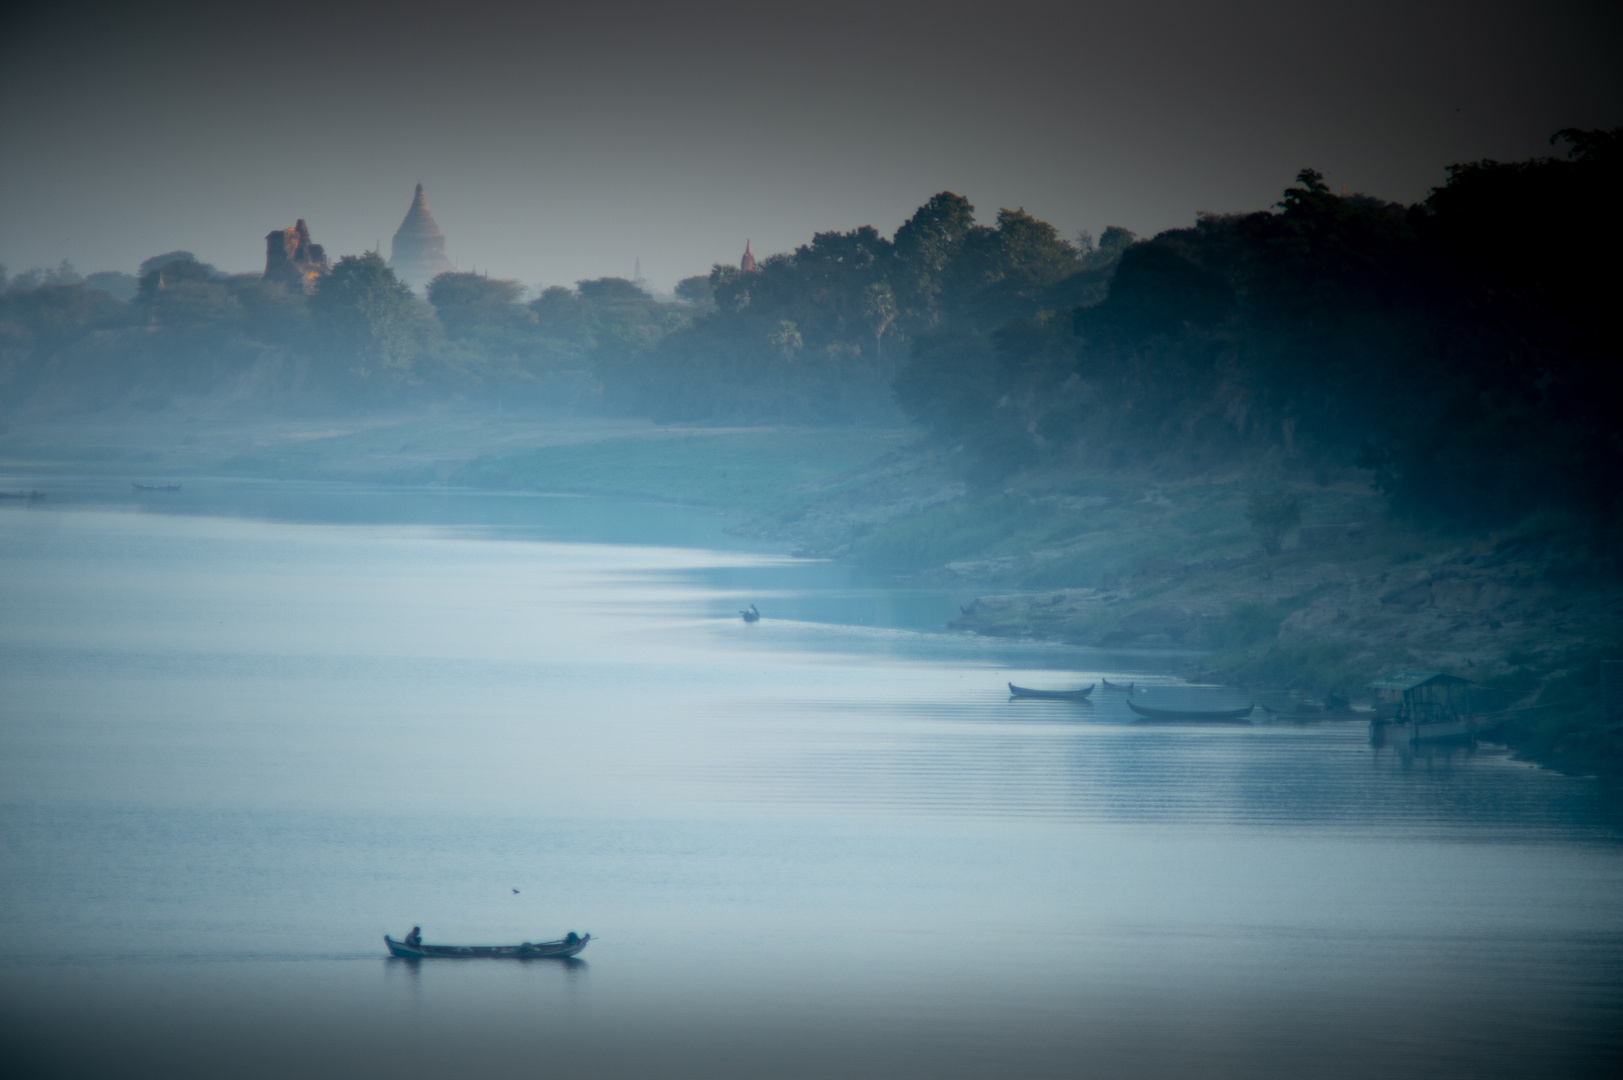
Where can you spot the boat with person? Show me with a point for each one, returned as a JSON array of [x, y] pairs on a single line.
[[1202, 715], [566, 946], [750, 614], [1051, 695]]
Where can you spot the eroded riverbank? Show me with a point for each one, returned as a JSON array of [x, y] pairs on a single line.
[[1113, 560]]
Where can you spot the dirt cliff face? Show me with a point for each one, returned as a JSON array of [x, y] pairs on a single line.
[[1130, 561], [292, 259]]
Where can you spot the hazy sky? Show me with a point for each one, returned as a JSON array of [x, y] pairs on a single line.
[[562, 142]]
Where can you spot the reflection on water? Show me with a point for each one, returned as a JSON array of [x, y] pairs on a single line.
[[246, 736]]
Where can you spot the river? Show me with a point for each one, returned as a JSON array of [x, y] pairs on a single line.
[[248, 728]]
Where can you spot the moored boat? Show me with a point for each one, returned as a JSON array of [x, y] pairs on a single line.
[[1051, 695], [1108, 685], [566, 946], [1204, 715]]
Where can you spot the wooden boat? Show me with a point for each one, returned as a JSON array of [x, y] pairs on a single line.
[[1117, 686], [750, 614], [155, 487], [1207, 715], [22, 494], [1051, 695], [538, 950]]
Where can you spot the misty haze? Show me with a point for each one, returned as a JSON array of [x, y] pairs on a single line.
[[887, 541]]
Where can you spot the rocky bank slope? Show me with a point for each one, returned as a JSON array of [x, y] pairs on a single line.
[[1137, 561]]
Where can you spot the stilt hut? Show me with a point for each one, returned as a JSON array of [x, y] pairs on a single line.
[[1417, 705], [1426, 696]]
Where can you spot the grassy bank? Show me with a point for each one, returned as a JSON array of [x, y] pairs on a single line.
[[749, 471]]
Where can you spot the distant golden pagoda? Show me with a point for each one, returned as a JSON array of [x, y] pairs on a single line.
[[418, 251], [747, 264]]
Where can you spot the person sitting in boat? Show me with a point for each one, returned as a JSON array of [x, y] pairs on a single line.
[[415, 938], [571, 938]]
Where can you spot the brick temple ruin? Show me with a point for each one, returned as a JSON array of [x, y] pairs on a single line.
[[292, 259]]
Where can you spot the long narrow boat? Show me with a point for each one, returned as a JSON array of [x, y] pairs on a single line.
[[566, 946], [1208, 715], [1052, 695], [1116, 686], [155, 487]]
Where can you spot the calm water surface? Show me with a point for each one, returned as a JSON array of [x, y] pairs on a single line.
[[246, 730]]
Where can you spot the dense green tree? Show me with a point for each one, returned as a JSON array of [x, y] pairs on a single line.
[[950, 382], [1463, 349], [857, 301], [369, 317], [1113, 243], [468, 304], [149, 265], [562, 314], [696, 290], [49, 326], [63, 274], [183, 296], [119, 286], [926, 246], [1001, 272]]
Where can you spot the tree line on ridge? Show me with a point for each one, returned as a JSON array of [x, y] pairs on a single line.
[[1462, 349]]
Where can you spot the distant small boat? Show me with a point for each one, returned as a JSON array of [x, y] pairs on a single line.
[[750, 614], [1051, 695], [22, 494], [566, 946], [155, 487], [1117, 686], [1206, 715]]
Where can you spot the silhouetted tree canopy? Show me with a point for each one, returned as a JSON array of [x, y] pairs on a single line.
[[821, 333], [696, 290], [1463, 349], [469, 303], [369, 317]]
